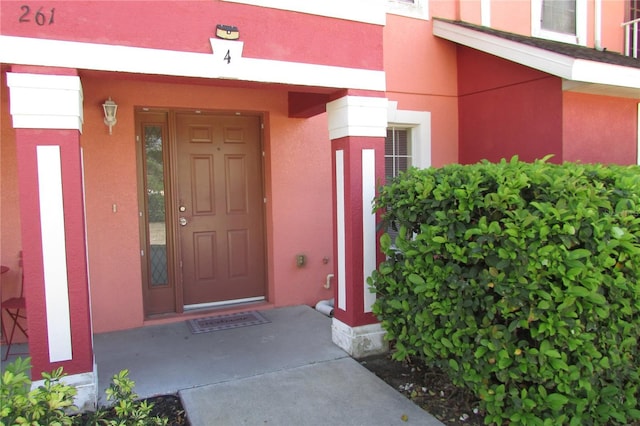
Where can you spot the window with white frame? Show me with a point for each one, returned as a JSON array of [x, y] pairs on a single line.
[[560, 20], [559, 16], [412, 8], [408, 142], [397, 151]]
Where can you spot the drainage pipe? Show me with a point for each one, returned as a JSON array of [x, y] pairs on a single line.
[[327, 284], [598, 25], [325, 307]]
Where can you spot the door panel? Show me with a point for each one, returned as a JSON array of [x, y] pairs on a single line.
[[202, 184], [221, 203]]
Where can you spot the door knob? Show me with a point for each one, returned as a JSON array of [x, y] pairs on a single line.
[[183, 221]]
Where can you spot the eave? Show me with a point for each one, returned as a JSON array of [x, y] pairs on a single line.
[[578, 74]]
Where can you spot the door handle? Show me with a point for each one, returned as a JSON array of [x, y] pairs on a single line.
[[183, 221]]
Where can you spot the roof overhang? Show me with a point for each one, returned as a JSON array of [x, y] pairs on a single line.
[[579, 75], [169, 63]]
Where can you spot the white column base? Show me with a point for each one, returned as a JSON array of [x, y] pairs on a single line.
[[359, 342], [87, 386]]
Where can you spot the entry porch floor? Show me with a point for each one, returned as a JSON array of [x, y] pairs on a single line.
[[285, 372]]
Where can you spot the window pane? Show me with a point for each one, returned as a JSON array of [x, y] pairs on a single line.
[[388, 167], [156, 207], [559, 16], [397, 152], [397, 158]]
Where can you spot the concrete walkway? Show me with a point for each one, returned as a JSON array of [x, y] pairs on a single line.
[[286, 372]]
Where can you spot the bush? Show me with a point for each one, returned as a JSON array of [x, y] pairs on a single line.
[[45, 405], [522, 282], [52, 403]]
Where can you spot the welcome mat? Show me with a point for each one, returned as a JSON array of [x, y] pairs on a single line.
[[225, 322]]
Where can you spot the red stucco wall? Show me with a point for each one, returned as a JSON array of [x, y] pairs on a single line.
[[600, 129], [188, 25], [506, 109]]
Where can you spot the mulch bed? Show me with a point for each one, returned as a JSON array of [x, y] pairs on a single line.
[[429, 388]]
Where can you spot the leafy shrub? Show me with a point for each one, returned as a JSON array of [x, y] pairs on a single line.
[[52, 403], [46, 405], [128, 410], [522, 282]]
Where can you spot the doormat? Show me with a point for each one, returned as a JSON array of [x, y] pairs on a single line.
[[225, 322]]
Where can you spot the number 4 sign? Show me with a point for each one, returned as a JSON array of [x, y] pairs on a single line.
[[226, 52]]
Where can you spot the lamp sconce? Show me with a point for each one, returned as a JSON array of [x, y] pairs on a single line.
[[110, 108]]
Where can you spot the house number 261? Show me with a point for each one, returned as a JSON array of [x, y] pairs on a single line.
[[40, 17]]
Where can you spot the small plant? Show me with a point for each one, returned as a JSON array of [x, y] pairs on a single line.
[[52, 403], [48, 404], [129, 411]]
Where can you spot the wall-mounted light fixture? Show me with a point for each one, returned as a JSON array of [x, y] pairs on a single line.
[[227, 32], [110, 109]]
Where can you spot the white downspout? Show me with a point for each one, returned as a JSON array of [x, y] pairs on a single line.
[[598, 25]]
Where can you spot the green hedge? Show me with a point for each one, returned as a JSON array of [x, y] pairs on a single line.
[[521, 281]]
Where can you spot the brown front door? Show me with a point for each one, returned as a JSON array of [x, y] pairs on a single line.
[[219, 201]]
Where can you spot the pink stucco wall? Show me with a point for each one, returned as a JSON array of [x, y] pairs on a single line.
[[511, 16], [9, 204], [299, 218], [515, 17], [600, 129], [424, 82], [297, 180]]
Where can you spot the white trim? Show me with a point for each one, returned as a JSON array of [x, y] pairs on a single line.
[[41, 101], [360, 341], [419, 122], [357, 116], [86, 385], [367, 11], [223, 303], [54, 257], [86, 246], [369, 244], [485, 13], [105, 57], [340, 230], [227, 52], [579, 38], [597, 30], [552, 63], [418, 9], [600, 89]]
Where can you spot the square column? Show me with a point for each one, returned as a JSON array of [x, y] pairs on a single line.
[[357, 127], [47, 114]]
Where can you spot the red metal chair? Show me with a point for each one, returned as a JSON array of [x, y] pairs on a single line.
[[16, 309]]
